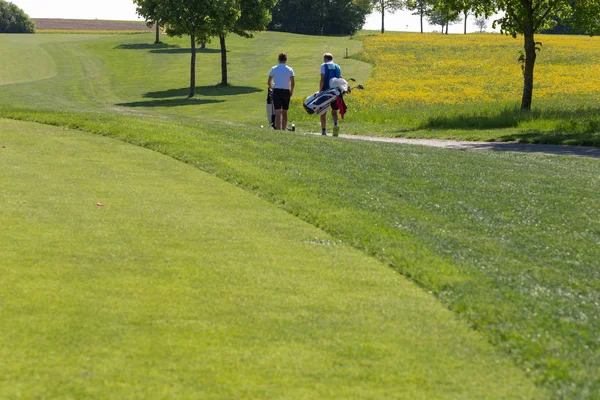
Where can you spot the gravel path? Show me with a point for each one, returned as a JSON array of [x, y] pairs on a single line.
[[560, 150]]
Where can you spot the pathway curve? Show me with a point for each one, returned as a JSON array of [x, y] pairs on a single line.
[[562, 150]]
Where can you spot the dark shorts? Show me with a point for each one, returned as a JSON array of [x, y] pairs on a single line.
[[281, 99], [334, 105]]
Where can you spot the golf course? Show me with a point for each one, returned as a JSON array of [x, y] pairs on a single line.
[[155, 246]]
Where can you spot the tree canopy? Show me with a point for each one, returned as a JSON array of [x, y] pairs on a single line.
[[326, 17], [14, 20], [203, 19]]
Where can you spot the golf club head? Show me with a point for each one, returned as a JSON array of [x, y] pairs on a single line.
[[352, 80], [360, 87]]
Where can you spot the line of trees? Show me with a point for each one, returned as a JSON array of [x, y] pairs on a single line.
[[14, 20], [203, 20], [323, 17]]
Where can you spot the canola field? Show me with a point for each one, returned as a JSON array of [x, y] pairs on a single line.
[[459, 69], [469, 87]]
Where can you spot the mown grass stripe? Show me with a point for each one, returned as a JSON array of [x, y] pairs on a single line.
[[182, 285]]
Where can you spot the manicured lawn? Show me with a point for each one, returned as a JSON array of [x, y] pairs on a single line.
[[507, 241], [184, 286]]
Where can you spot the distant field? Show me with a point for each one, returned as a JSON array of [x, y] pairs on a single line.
[[58, 24], [470, 87]]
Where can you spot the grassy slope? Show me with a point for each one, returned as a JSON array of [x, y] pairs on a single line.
[[23, 51], [128, 75], [494, 235], [182, 286]]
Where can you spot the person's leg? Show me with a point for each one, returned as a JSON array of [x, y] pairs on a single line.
[[284, 109], [284, 119], [278, 119], [336, 128], [278, 104], [323, 123]]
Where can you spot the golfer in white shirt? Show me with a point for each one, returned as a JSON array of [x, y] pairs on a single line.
[[281, 80]]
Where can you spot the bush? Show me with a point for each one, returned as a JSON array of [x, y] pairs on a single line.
[[14, 20]]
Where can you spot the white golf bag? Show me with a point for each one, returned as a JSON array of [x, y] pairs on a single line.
[[320, 102]]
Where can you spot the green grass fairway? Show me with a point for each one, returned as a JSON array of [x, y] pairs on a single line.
[[509, 242], [183, 286], [22, 51]]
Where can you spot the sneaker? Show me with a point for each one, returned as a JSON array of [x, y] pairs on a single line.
[[336, 130]]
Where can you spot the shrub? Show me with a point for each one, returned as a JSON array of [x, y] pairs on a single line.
[[14, 20]]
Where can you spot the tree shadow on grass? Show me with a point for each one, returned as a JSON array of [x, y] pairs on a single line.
[[169, 103], [538, 136], [581, 120], [181, 50], [145, 46], [163, 48], [215, 91], [580, 126]]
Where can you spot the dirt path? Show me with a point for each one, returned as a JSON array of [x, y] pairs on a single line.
[[560, 150]]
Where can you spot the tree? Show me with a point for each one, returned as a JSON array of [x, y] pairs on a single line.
[[14, 20], [528, 17], [481, 22], [420, 8], [390, 6], [326, 17], [464, 6], [187, 17], [443, 13], [240, 17], [148, 9], [203, 19]]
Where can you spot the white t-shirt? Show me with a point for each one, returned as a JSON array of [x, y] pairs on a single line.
[[281, 74]]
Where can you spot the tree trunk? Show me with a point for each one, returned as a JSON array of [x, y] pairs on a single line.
[[528, 69], [223, 60], [422, 12], [193, 68], [382, 18], [157, 34], [447, 24], [466, 14]]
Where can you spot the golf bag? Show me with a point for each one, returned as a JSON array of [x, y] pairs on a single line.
[[271, 111], [320, 102], [270, 108]]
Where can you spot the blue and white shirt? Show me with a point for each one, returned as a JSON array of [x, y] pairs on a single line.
[[281, 74], [330, 70]]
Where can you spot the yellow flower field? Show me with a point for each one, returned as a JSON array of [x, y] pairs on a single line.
[[476, 68]]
